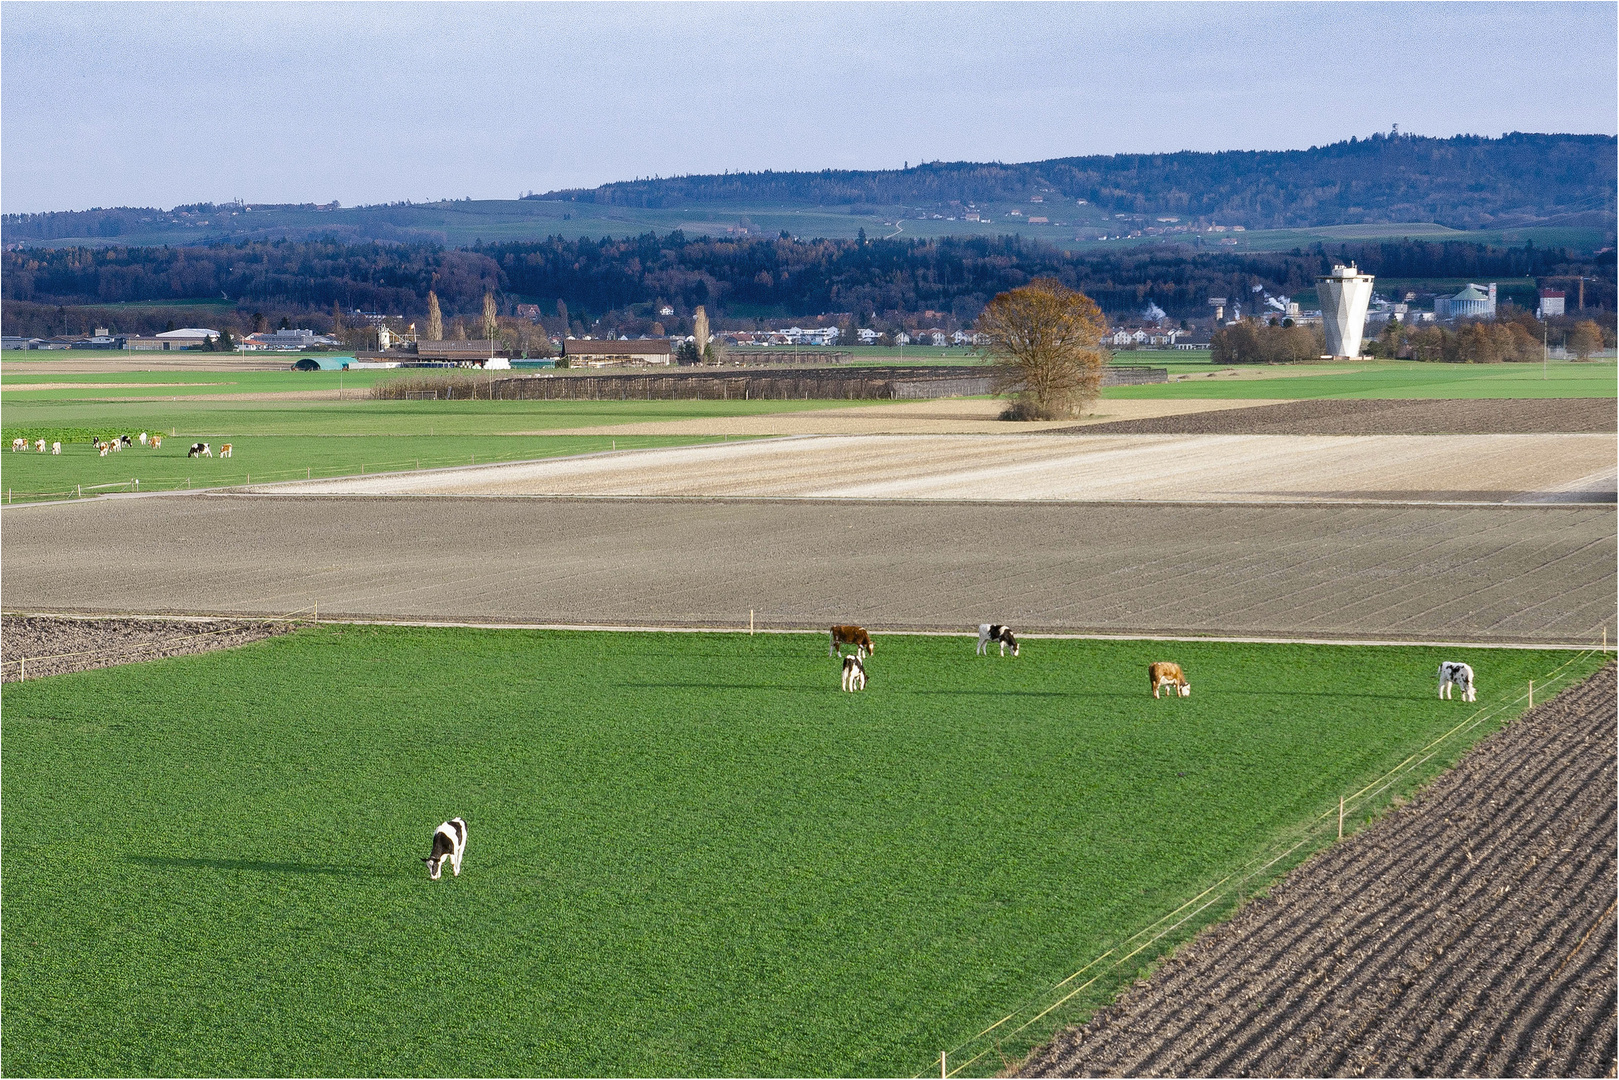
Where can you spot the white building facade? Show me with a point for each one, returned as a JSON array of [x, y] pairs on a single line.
[[1345, 294]]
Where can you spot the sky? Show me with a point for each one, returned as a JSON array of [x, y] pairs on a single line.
[[131, 104]]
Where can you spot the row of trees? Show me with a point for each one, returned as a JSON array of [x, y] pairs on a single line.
[[625, 282]]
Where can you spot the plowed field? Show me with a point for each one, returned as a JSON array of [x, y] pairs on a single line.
[[1470, 933]]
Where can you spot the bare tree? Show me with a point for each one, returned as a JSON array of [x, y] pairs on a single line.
[[490, 317], [1046, 345], [435, 319]]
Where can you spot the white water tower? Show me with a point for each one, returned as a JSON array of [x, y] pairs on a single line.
[[1345, 294]]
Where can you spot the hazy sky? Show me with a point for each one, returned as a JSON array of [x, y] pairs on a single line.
[[143, 104]]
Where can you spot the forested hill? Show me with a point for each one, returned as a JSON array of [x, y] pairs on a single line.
[[1463, 182]]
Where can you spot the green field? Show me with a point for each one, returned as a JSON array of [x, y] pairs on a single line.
[[689, 854], [1389, 379]]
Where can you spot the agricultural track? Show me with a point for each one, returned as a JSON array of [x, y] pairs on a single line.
[[1539, 574], [1470, 933]]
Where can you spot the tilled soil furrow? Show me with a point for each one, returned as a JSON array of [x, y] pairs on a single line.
[[1445, 939]]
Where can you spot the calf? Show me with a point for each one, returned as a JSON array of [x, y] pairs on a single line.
[[1454, 674], [854, 673], [224, 451], [1164, 673], [18, 444], [988, 632], [200, 449], [449, 842], [102, 447], [852, 635], [56, 447], [157, 441], [143, 438], [40, 446]]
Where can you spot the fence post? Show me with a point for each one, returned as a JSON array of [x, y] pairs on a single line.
[[750, 622], [1340, 817], [1531, 693], [22, 668], [943, 1060]]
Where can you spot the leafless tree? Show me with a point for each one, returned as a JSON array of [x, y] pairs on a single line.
[[435, 319]]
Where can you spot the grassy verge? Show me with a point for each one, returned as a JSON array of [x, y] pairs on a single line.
[[689, 854], [1392, 379]]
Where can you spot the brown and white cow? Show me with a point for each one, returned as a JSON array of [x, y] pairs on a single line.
[[852, 635], [1164, 673], [224, 451]]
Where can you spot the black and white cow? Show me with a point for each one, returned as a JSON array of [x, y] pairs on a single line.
[[988, 632], [854, 672], [1454, 674], [449, 842], [200, 449]]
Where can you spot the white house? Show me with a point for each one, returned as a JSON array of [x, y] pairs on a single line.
[[867, 336]]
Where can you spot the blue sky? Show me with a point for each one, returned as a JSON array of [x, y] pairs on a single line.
[[140, 104]]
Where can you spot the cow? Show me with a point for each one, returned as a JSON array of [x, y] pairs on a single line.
[[449, 842], [1164, 673], [200, 449], [157, 441], [852, 635], [102, 447], [143, 438], [40, 445], [1454, 674], [56, 448], [125, 440], [18, 444], [988, 632], [224, 451], [854, 673]]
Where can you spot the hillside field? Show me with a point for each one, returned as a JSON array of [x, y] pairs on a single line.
[[689, 854]]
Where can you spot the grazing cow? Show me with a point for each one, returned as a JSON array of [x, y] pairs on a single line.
[[18, 444], [157, 441], [852, 635], [40, 446], [449, 842], [56, 447], [224, 451], [854, 673], [103, 448], [988, 632], [1163, 674], [1454, 674], [200, 449], [143, 438], [125, 440]]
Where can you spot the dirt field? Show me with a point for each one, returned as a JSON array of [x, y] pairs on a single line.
[[1424, 573], [1161, 468], [1511, 416], [53, 646], [1470, 933]]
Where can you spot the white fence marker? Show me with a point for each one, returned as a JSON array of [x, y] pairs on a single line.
[[750, 622], [1340, 817], [1531, 693]]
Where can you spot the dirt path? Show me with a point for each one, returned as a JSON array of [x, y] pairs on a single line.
[[1470, 933], [35, 646]]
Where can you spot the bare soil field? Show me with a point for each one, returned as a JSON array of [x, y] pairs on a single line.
[[1466, 416], [1157, 468], [1469, 933], [33, 646], [146, 361], [1537, 574]]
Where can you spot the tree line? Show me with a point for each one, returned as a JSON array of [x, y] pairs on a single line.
[[623, 284]]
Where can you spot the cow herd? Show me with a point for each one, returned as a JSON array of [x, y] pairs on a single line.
[[112, 444]]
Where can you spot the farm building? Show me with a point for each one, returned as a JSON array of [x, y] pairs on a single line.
[[590, 353]]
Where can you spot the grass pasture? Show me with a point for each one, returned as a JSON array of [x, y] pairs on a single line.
[[689, 854]]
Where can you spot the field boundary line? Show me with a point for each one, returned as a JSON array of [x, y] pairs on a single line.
[[1571, 644], [1233, 885]]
